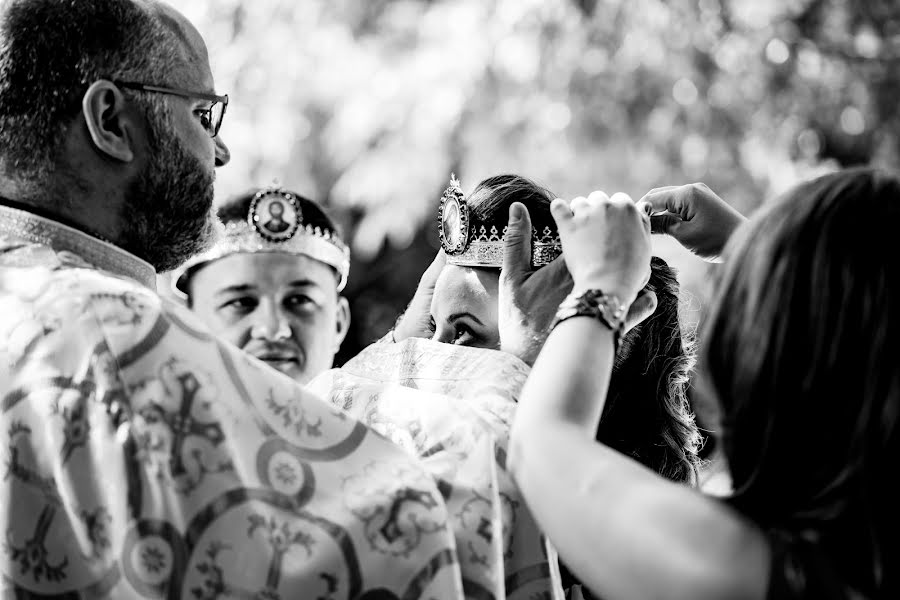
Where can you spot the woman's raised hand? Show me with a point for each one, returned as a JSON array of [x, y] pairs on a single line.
[[606, 243], [695, 216]]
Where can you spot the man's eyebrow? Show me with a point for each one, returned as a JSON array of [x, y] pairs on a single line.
[[243, 287], [459, 315], [303, 283]]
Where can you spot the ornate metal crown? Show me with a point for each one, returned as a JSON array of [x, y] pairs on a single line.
[[470, 243], [274, 224]]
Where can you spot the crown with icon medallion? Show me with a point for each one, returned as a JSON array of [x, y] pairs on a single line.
[[472, 243], [275, 221]]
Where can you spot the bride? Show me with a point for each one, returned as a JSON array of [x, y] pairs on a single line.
[[462, 338], [647, 415]]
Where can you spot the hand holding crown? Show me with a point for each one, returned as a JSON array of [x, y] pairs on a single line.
[[606, 243]]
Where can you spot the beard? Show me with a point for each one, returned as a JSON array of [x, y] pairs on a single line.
[[168, 214]]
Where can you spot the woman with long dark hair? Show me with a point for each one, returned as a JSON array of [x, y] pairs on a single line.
[[798, 352]]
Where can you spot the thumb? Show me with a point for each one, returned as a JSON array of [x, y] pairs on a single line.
[[664, 223], [517, 243]]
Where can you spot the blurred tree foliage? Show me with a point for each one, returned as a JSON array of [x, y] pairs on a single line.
[[368, 105]]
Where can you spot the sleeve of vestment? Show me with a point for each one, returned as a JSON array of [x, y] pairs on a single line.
[[143, 458]]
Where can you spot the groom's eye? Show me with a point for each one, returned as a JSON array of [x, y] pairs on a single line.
[[240, 305], [300, 302]]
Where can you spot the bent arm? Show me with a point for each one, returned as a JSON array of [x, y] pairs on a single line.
[[622, 529]]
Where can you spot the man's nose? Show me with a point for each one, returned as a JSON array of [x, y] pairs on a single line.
[[223, 155], [270, 323]]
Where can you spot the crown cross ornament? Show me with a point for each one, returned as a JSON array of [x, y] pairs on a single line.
[[470, 243]]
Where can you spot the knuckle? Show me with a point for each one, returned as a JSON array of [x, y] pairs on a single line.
[[694, 191]]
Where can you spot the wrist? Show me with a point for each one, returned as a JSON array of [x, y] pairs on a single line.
[[624, 294], [597, 304]]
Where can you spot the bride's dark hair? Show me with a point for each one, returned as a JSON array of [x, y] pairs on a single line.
[[647, 414]]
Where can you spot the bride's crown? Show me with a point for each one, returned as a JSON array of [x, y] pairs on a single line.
[[469, 242]]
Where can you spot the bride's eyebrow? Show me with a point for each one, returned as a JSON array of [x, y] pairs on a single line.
[[459, 315]]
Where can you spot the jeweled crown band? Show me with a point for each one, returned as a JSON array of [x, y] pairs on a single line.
[[485, 248], [490, 255], [274, 224]]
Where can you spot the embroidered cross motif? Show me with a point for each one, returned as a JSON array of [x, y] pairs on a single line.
[[281, 539], [33, 557], [184, 428]]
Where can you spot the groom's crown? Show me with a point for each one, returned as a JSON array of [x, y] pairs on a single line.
[[276, 221]]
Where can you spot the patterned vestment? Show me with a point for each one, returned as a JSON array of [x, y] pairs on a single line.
[[144, 458]]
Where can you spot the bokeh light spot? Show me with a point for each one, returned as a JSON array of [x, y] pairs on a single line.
[[777, 52], [809, 143], [685, 92], [852, 121]]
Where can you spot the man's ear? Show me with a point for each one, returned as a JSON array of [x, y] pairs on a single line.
[[109, 122], [343, 321]]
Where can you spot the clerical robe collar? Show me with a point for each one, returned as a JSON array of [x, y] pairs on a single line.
[[25, 225]]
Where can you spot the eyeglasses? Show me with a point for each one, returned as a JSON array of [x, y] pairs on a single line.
[[212, 116]]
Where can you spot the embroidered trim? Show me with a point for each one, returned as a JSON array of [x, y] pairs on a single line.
[[102, 255]]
